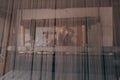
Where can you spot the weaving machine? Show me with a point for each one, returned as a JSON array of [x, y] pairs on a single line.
[[58, 40]]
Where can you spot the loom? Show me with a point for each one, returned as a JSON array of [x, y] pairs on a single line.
[[58, 40]]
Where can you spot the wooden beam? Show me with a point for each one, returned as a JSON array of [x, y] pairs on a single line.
[[22, 29], [83, 36]]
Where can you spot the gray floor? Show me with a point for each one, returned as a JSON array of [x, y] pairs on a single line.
[[25, 75], [67, 67]]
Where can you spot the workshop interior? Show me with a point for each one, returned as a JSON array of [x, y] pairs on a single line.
[[59, 40]]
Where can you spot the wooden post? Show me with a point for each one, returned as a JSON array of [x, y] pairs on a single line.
[[81, 33], [83, 36], [79, 36], [22, 32]]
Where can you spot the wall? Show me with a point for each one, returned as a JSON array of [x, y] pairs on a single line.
[[28, 14], [107, 25], [59, 13], [100, 33]]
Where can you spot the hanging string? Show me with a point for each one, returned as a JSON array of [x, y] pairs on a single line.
[[13, 30], [48, 64], [22, 57], [2, 29], [14, 39], [33, 39], [54, 54], [41, 56]]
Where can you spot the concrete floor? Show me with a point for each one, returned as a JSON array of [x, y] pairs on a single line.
[[25, 75], [67, 67]]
